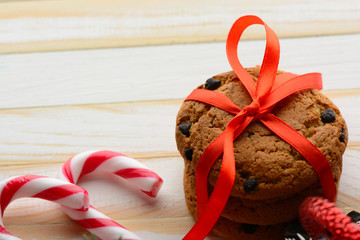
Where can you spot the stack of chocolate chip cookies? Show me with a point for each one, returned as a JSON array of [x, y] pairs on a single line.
[[272, 178]]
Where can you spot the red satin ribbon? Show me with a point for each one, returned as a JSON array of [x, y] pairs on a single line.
[[269, 90]]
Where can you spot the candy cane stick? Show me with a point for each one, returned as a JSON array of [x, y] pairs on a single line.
[[134, 172], [64, 193]]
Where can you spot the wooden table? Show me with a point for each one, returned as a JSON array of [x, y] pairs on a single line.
[[82, 75]]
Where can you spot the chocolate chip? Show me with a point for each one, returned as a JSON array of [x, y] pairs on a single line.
[[342, 135], [249, 228], [188, 153], [250, 185], [250, 134], [328, 116], [355, 216], [185, 129], [212, 84]]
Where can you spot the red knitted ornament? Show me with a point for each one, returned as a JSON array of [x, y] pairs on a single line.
[[321, 218]]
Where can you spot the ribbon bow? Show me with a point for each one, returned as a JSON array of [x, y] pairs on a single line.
[[268, 91]]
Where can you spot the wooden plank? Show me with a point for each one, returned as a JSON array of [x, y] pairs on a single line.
[[171, 72], [28, 26], [51, 134], [65, 231], [349, 193]]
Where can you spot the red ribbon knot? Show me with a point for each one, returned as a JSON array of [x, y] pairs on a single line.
[[252, 109], [266, 93]]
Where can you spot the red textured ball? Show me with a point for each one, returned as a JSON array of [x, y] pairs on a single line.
[[321, 218]]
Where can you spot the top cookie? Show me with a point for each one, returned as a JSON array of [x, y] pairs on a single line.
[[266, 166]]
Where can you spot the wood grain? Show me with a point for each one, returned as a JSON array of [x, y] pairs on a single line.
[[160, 72], [40, 135], [28, 26], [70, 231]]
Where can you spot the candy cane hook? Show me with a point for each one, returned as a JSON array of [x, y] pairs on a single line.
[[134, 172], [66, 194]]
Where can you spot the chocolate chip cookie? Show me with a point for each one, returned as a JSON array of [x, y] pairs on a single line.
[[272, 178], [266, 166]]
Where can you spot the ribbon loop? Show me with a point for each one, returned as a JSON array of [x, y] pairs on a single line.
[[270, 61]]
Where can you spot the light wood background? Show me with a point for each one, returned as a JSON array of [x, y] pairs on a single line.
[[81, 75], [30, 25]]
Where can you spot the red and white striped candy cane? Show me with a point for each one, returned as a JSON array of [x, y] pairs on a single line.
[[56, 190], [134, 172]]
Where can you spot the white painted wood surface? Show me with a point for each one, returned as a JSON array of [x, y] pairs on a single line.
[[51, 134], [160, 72], [81, 24]]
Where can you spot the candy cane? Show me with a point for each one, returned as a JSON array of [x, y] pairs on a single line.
[[64, 193], [134, 172]]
